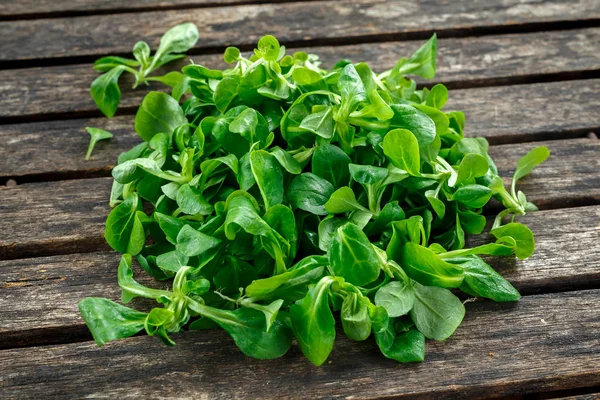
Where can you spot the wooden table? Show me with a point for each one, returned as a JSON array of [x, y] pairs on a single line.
[[523, 72]]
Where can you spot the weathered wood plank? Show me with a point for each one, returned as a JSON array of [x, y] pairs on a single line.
[[313, 23], [39, 295], [541, 343], [504, 114], [45, 8], [554, 110], [461, 62], [591, 396], [68, 216]]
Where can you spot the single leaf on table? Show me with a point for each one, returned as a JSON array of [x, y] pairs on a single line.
[[531, 160], [96, 134]]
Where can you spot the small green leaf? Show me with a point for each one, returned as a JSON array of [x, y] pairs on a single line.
[[105, 91], [343, 200], [96, 134], [108, 320], [402, 149]]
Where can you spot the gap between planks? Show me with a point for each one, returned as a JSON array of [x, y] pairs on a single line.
[[541, 343], [309, 24]]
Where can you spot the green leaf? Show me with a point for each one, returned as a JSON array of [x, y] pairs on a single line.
[[436, 312], [355, 317], [108, 320], [472, 166], [474, 196], [191, 201], [313, 323], [105, 91], [522, 235], [402, 149], [422, 63], [96, 134], [141, 52], [416, 121], [286, 160], [268, 48], [351, 256], [158, 113], [319, 123], [437, 97], [331, 163], [226, 91], [124, 231], [367, 174], [396, 297], [308, 192], [178, 39], [531, 160], [343, 200], [247, 327], [105, 64], [483, 281], [231, 55], [172, 261], [132, 289], [424, 266], [268, 176], [191, 242]]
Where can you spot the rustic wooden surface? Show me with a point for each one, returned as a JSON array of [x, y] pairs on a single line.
[[47, 8], [327, 22], [526, 72], [72, 218], [40, 294], [476, 362], [471, 61]]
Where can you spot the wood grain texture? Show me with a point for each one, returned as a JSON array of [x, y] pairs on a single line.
[[554, 110], [40, 295], [68, 216], [313, 22], [520, 113], [461, 62], [538, 344], [45, 8]]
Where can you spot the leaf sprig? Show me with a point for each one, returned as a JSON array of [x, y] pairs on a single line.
[[282, 193], [105, 89]]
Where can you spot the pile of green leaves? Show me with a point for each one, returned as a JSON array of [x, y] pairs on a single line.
[[279, 194]]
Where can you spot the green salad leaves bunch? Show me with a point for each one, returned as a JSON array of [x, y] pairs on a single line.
[[278, 197]]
